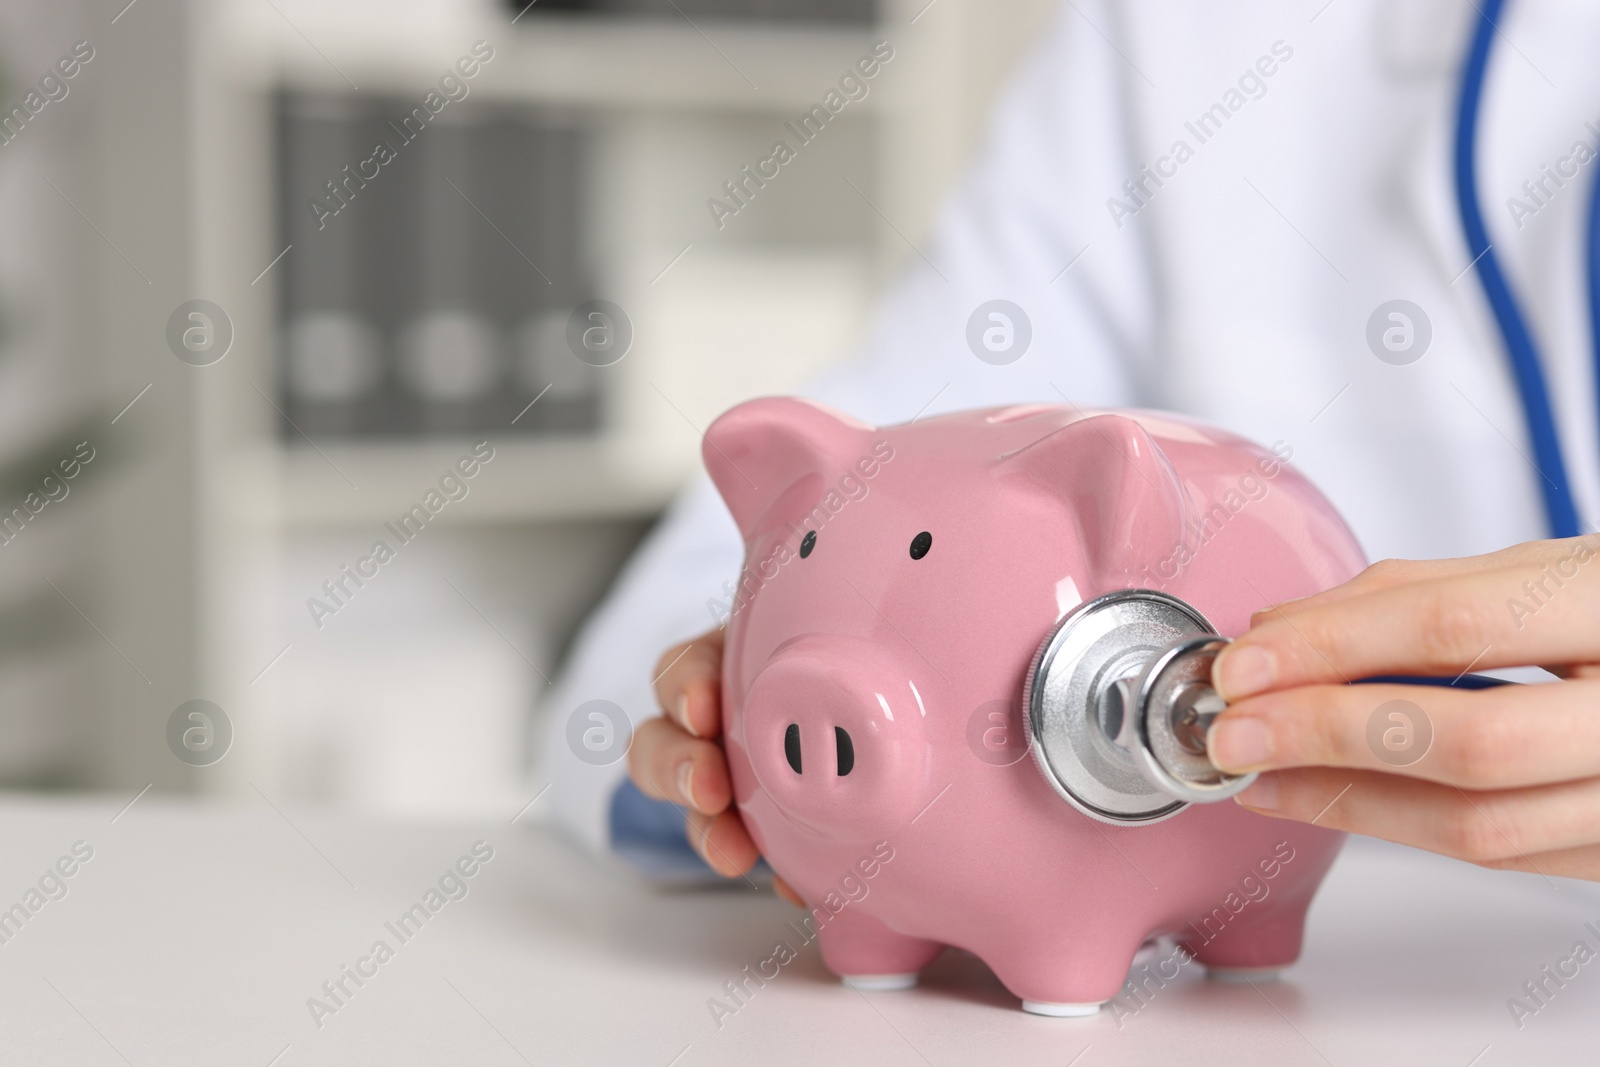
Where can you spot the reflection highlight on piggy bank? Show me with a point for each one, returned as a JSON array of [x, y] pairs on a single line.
[[898, 582]]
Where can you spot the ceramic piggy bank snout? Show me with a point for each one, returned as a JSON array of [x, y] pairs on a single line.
[[833, 731], [897, 584]]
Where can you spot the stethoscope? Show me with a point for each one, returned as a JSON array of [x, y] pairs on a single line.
[[1117, 702], [1560, 511], [1118, 699]]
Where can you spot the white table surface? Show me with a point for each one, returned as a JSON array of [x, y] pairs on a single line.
[[196, 935]]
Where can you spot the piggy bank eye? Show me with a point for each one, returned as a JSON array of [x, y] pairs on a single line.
[[920, 544], [807, 543]]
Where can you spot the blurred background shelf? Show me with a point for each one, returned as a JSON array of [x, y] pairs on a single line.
[[526, 482], [660, 61], [371, 352]]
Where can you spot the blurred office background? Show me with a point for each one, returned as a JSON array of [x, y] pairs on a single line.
[[371, 353]]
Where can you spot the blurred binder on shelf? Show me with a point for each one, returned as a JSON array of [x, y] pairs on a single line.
[[427, 295]]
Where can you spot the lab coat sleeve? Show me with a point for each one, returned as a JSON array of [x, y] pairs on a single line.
[[1028, 225]]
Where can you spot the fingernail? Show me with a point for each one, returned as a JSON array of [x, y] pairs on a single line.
[[702, 845], [697, 840], [1243, 671], [1239, 744], [1262, 794], [683, 714], [686, 782]]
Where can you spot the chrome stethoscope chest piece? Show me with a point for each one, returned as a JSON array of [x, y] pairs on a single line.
[[1176, 706], [1117, 703]]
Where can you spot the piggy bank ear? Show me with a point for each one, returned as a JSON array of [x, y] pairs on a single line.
[[1120, 486], [759, 452]]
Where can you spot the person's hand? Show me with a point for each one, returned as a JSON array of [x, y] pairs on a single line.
[[1511, 778], [678, 757]]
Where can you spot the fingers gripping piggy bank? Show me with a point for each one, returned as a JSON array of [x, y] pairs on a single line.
[[897, 584]]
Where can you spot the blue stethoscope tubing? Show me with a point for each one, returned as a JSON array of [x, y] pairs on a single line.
[[1560, 511]]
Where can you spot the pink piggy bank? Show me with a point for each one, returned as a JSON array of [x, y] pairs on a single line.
[[897, 584]]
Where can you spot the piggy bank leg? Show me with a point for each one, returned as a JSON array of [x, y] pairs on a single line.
[[1067, 980], [1251, 948], [868, 955]]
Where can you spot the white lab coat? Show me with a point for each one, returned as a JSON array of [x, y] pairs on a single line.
[[1238, 293]]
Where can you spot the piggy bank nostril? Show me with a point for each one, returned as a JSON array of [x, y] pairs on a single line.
[[791, 746], [847, 750]]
